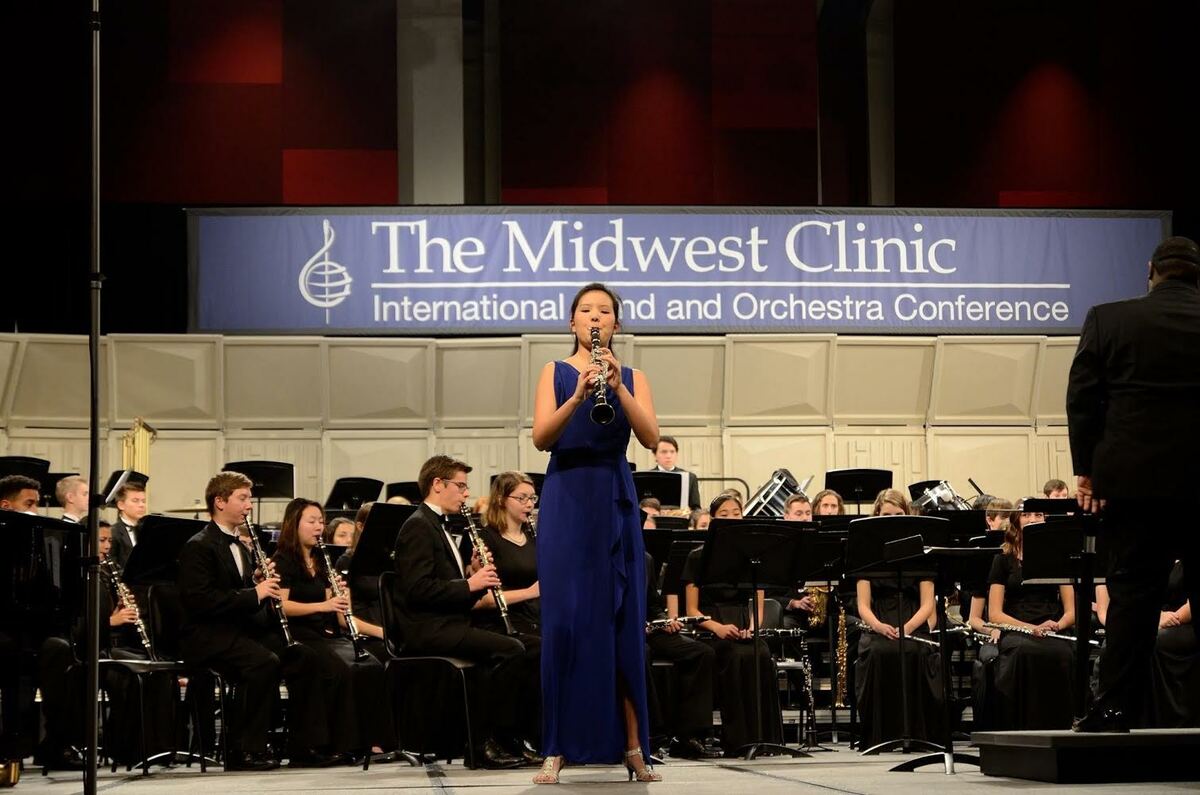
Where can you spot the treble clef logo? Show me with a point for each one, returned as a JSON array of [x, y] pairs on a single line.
[[323, 282]]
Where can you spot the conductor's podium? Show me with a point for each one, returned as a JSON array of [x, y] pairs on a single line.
[[1065, 757]]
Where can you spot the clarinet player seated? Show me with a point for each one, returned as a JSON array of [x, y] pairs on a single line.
[[881, 605], [317, 617], [1032, 672]]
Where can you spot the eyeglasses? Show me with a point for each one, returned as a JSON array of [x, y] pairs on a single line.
[[523, 499], [462, 484]]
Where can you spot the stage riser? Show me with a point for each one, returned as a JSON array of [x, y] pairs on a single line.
[[1063, 758]]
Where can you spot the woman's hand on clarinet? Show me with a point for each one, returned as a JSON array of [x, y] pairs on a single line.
[[583, 386], [614, 369], [337, 604], [483, 579], [729, 632], [122, 615]]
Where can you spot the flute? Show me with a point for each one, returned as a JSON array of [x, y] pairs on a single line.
[[1029, 631], [928, 642]]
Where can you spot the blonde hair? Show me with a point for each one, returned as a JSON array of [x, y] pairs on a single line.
[[503, 486], [891, 497]]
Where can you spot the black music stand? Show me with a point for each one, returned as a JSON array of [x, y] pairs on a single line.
[[951, 564], [373, 554], [408, 489], [155, 559], [671, 522], [48, 493], [1062, 551], [351, 493], [658, 542], [866, 557], [25, 465], [272, 480], [751, 555], [119, 478], [860, 484], [669, 488], [822, 556], [676, 562], [964, 525]]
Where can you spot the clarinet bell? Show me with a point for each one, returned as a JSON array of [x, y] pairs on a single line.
[[603, 413]]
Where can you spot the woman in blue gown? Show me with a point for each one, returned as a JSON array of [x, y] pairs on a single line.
[[590, 559]]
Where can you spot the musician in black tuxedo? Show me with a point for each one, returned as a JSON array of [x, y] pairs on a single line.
[[229, 627], [131, 507], [72, 493], [436, 591], [1132, 401], [665, 455]]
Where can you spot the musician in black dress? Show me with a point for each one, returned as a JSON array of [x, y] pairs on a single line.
[[729, 626], [359, 717], [1173, 697], [1032, 673], [364, 592], [228, 626], [881, 604]]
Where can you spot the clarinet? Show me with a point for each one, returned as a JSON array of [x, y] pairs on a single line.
[[602, 412], [1028, 631], [485, 558], [335, 586], [125, 598], [660, 624], [262, 562]]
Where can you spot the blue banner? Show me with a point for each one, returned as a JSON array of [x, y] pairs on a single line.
[[427, 271]]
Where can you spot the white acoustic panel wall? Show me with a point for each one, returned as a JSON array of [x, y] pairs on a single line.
[[487, 452], [181, 464], [1055, 369], [478, 383], [389, 456], [275, 382], [1000, 460], [1052, 458], [778, 378], [900, 450], [753, 454], [882, 380], [66, 450], [50, 383], [380, 383], [8, 354], [301, 449], [529, 458], [540, 349], [984, 381], [686, 375], [169, 381]]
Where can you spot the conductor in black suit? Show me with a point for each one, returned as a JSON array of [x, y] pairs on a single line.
[[665, 455], [228, 626], [1132, 409], [131, 507], [436, 591]]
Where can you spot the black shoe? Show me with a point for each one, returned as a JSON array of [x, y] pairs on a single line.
[[1101, 720], [62, 759], [496, 758], [692, 748], [311, 757], [250, 761]]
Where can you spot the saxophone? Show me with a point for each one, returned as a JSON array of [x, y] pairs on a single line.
[[839, 699], [485, 558], [820, 599], [335, 586], [125, 598]]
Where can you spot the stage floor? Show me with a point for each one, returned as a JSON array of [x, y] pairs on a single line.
[[838, 771]]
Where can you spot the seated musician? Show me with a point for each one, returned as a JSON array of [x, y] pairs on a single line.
[[1055, 489], [1032, 673], [358, 718], [651, 507], [364, 591], [797, 607], [435, 595], [72, 494], [666, 452], [339, 532], [1173, 697], [881, 606], [699, 519], [729, 626], [228, 626], [687, 718], [997, 514], [19, 493], [507, 534], [983, 705], [131, 508], [828, 503]]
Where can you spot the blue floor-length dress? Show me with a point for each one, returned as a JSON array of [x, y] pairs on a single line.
[[591, 575]]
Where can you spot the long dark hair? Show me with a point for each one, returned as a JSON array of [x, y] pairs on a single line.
[[289, 533], [503, 486], [599, 288]]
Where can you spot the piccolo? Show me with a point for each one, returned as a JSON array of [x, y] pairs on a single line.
[[660, 624], [1030, 631]]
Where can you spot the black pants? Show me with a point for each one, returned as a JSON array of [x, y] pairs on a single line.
[[255, 666], [63, 684], [1145, 538], [689, 713], [504, 670]]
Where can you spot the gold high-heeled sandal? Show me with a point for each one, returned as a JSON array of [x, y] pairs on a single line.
[[549, 772], [645, 775]]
